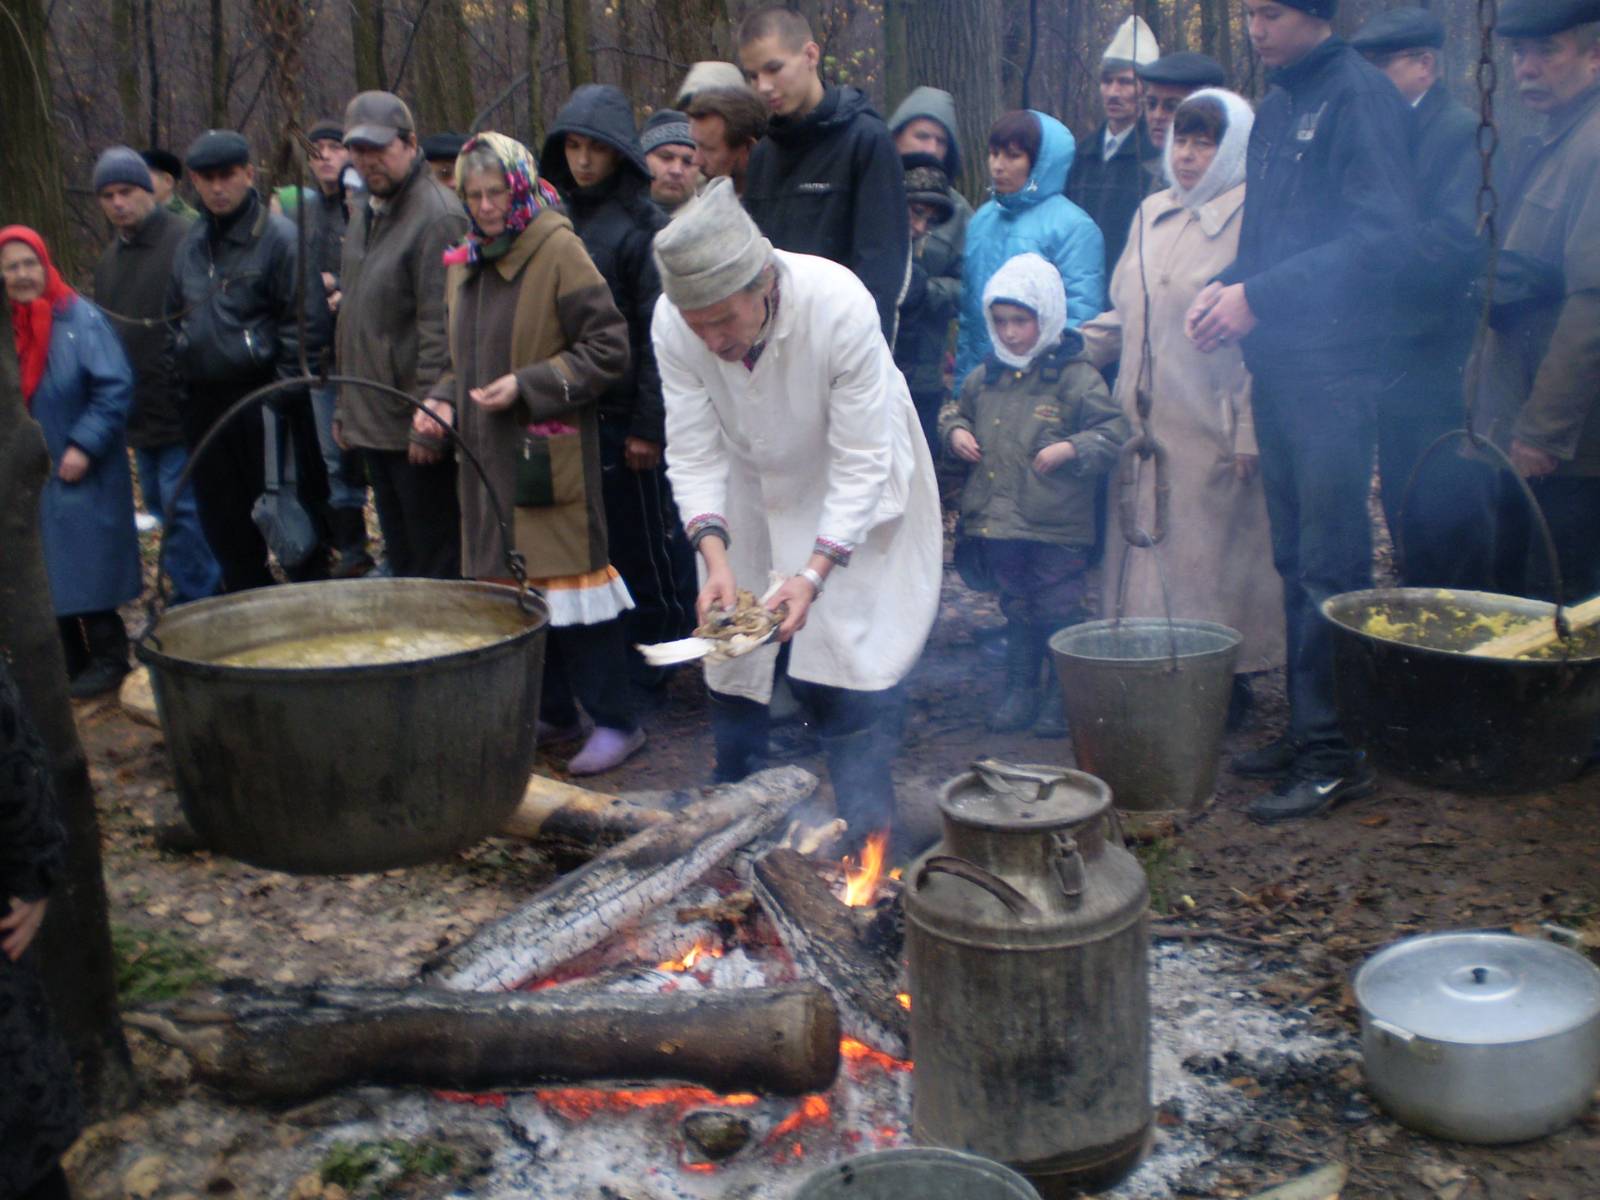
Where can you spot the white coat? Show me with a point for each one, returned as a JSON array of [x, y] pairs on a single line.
[[819, 440]]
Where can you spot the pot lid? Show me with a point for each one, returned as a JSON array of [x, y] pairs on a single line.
[[1479, 988], [1023, 797]]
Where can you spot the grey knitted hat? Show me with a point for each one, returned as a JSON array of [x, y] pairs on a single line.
[[666, 127], [120, 164], [710, 249]]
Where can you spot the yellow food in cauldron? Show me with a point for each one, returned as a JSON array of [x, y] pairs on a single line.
[[360, 648], [1462, 621]]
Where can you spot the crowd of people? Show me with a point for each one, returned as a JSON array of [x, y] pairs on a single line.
[[1280, 293]]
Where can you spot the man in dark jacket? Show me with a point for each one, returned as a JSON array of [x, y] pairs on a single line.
[[392, 330], [924, 130], [1108, 179], [233, 328], [1444, 542], [592, 156], [1329, 217], [1166, 84], [130, 286], [826, 179]]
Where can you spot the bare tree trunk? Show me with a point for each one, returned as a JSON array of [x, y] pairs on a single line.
[[444, 75], [125, 44], [30, 184], [580, 63], [1214, 39], [366, 38], [956, 43], [1150, 10], [219, 68], [896, 63], [1180, 27], [691, 30], [75, 945], [535, 76], [153, 64]]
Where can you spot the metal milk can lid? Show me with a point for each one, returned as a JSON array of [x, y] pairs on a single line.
[[1479, 988], [1007, 797]]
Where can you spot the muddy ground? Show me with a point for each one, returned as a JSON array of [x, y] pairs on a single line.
[[1301, 905]]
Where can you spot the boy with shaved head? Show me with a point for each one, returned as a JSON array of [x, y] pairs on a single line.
[[826, 180]]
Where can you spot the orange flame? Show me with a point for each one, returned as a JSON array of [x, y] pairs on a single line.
[[903, 999], [813, 1110], [700, 1168], [578, 1104], [701, 949], [861, 882], [856, 1052]]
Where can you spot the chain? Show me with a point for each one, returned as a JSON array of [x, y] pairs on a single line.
[[1488, 76]]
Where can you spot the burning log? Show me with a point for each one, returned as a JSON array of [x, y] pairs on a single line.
[[287, 1045], [612, 891], [860, 969]]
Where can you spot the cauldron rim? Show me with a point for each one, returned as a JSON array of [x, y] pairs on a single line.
[[1337, 611]]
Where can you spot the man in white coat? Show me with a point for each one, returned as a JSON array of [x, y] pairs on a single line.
[[793, 447]]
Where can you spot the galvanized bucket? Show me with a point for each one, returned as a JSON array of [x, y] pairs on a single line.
[[916, 1173], [324, 770], [1147, 700]]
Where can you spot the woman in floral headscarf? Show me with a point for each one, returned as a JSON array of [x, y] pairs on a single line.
[[534, 341], [77, 384]]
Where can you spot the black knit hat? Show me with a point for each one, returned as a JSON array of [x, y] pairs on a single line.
[[1323, 9], [927, 183]]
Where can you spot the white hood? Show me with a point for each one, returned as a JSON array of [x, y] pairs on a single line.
[[1031, 281], [1227, 169]]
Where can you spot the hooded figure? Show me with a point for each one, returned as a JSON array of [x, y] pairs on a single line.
[[1037, 218], [617, 221], [1217, 557]]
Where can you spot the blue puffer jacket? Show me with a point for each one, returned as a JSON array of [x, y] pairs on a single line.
[[91, 551], [1041, 219]]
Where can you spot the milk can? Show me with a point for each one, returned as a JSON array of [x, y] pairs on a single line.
[[1030, 1007]]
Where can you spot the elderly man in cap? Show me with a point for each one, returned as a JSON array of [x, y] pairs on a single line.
[[1329, 215], [233, 328], [794, 448], [392, 330], [1108, 179], [166, 168], [441, 150], [669, 153], [1168, 82], [1444, 541], [1539, 364], [130, 284]]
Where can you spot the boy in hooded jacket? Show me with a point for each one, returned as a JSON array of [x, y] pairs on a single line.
[[593, 158], [1039, 428]]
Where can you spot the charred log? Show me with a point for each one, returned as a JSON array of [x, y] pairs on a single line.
[[287, 1045]]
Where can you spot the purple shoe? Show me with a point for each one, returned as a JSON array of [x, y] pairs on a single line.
[[606, 750]]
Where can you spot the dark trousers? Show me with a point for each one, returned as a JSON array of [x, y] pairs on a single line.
[[419, 513], [928, 405], [231, 473], [585, 664], [52, 1187], [187, 558], [1447, 537], [1571, 507], [1039, 583], [87, 637], [647, 544], [1317, 432]]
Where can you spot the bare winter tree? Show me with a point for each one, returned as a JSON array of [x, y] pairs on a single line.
[[577, 31], [366, 37], [30, 184]]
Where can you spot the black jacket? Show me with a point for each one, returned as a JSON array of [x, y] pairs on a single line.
[[232, 293], [1329, 215], [130, 286], [618, 222], [831, 183], [1111, 191]]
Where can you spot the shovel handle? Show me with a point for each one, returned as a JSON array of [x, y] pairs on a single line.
[[1539, 635]]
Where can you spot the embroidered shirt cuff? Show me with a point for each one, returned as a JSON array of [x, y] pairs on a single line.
[[835, 552], [707, 525]]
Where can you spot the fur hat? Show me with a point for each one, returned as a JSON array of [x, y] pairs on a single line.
[[710, 249]]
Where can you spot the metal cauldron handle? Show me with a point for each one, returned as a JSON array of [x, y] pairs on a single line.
[[947, 864], [516, 566]]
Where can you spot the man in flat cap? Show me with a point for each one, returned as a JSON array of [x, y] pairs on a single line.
[[794, 447], [1539, 365], [441, 150], [1437, 315], [234, 327], [1168, 82], [166, 169], [392, 330], [1329, 214], [669, 153]]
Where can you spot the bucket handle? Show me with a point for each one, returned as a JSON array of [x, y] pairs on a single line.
[[516, 565], [948, 864]]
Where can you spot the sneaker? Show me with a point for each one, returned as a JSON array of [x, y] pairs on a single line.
[[1315, 790], [606, 750], [1275, 760]]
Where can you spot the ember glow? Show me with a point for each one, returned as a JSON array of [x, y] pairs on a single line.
[[853, 1051], [861, 882], [903, 999], [578, 1104], [813, 1110], [701, 949]]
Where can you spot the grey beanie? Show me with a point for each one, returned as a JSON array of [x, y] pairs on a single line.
[[120, 164], [710, 249], [666, 127]]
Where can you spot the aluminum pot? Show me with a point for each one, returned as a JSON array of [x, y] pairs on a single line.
[[1480, 1037]]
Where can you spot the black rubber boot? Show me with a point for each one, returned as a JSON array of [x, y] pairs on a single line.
[[1275, 760], [739, 729], [107, 640], [860, 769], [1019, 704], [350, 540], [1241, 699], [1052, 722]]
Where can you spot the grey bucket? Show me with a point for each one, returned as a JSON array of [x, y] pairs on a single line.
[[1147, 700], [916, 1173]]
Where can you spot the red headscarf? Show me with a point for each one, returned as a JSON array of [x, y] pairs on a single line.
[[30, 322]]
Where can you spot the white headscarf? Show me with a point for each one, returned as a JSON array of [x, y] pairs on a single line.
[[1032, 282], [1226, 171]]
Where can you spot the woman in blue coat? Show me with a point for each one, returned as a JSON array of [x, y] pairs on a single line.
[[1029, 157], [77, 384]]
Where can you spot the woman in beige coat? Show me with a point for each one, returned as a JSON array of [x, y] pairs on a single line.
[[1217, 556]]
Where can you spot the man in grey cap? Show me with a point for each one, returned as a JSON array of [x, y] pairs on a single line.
[[669, 153], [1168, 82], [794, 447], [392, 330], [1444, 540], [1539, 363]]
